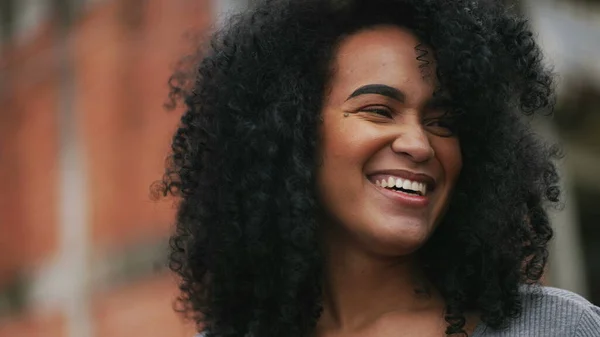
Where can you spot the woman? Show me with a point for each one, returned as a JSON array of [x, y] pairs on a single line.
[[365, 168]]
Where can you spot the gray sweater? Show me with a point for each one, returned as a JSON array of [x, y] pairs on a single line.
[[550, 312]]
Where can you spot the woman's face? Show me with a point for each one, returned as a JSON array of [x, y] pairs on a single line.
[[390, 158]]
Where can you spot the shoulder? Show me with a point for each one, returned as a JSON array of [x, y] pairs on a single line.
[[563, 309], [551, 311], [552, 301]]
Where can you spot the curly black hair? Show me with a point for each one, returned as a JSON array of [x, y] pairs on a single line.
[[244, 159]]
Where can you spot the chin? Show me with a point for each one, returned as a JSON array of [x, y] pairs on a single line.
[[399, 242]]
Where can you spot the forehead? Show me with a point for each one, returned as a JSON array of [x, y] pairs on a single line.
[[384, 54]]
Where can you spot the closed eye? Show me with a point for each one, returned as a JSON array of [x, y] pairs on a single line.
[[443, 127], [379, 110]]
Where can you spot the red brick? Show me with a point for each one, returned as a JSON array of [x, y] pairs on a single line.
[[122, 75], [29, 154], [140, 309], [33, 324]]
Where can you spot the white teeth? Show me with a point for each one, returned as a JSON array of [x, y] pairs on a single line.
[[399, 183], [415, 186], [404, 184]]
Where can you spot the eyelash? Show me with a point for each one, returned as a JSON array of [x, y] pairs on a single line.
[[443, 122], [382, 111]]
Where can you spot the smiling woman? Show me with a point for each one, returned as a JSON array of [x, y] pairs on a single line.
[[362, 168], [392, 133]]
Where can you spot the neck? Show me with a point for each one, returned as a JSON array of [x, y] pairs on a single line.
[[361, 287]]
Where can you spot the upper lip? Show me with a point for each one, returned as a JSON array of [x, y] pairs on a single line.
[[420, 177]]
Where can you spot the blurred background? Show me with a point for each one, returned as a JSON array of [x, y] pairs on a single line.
[[83, 134]]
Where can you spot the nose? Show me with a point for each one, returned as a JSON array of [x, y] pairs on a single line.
[[412, 141]]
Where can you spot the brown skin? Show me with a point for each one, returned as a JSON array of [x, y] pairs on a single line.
[[370, 239]]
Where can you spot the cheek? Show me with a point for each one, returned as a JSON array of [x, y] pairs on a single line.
[[449, 155], [335, 157], [343, 145], [344, 150]]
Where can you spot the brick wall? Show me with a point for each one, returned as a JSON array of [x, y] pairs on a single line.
[[28, 140], [123, 52], [139, 309], [121, 75], [33, 323]]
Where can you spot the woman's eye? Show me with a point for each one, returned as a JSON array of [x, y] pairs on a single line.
[[383, 111], [444, 127]]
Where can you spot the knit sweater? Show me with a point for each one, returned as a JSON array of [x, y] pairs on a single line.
[[550, 312]]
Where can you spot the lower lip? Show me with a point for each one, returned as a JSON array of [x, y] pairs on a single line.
[[412, 200]]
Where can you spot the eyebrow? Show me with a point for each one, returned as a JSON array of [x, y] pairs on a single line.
[[379, 89]]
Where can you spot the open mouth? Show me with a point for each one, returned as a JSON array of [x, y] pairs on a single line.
[[405, 191], [403, 186]]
